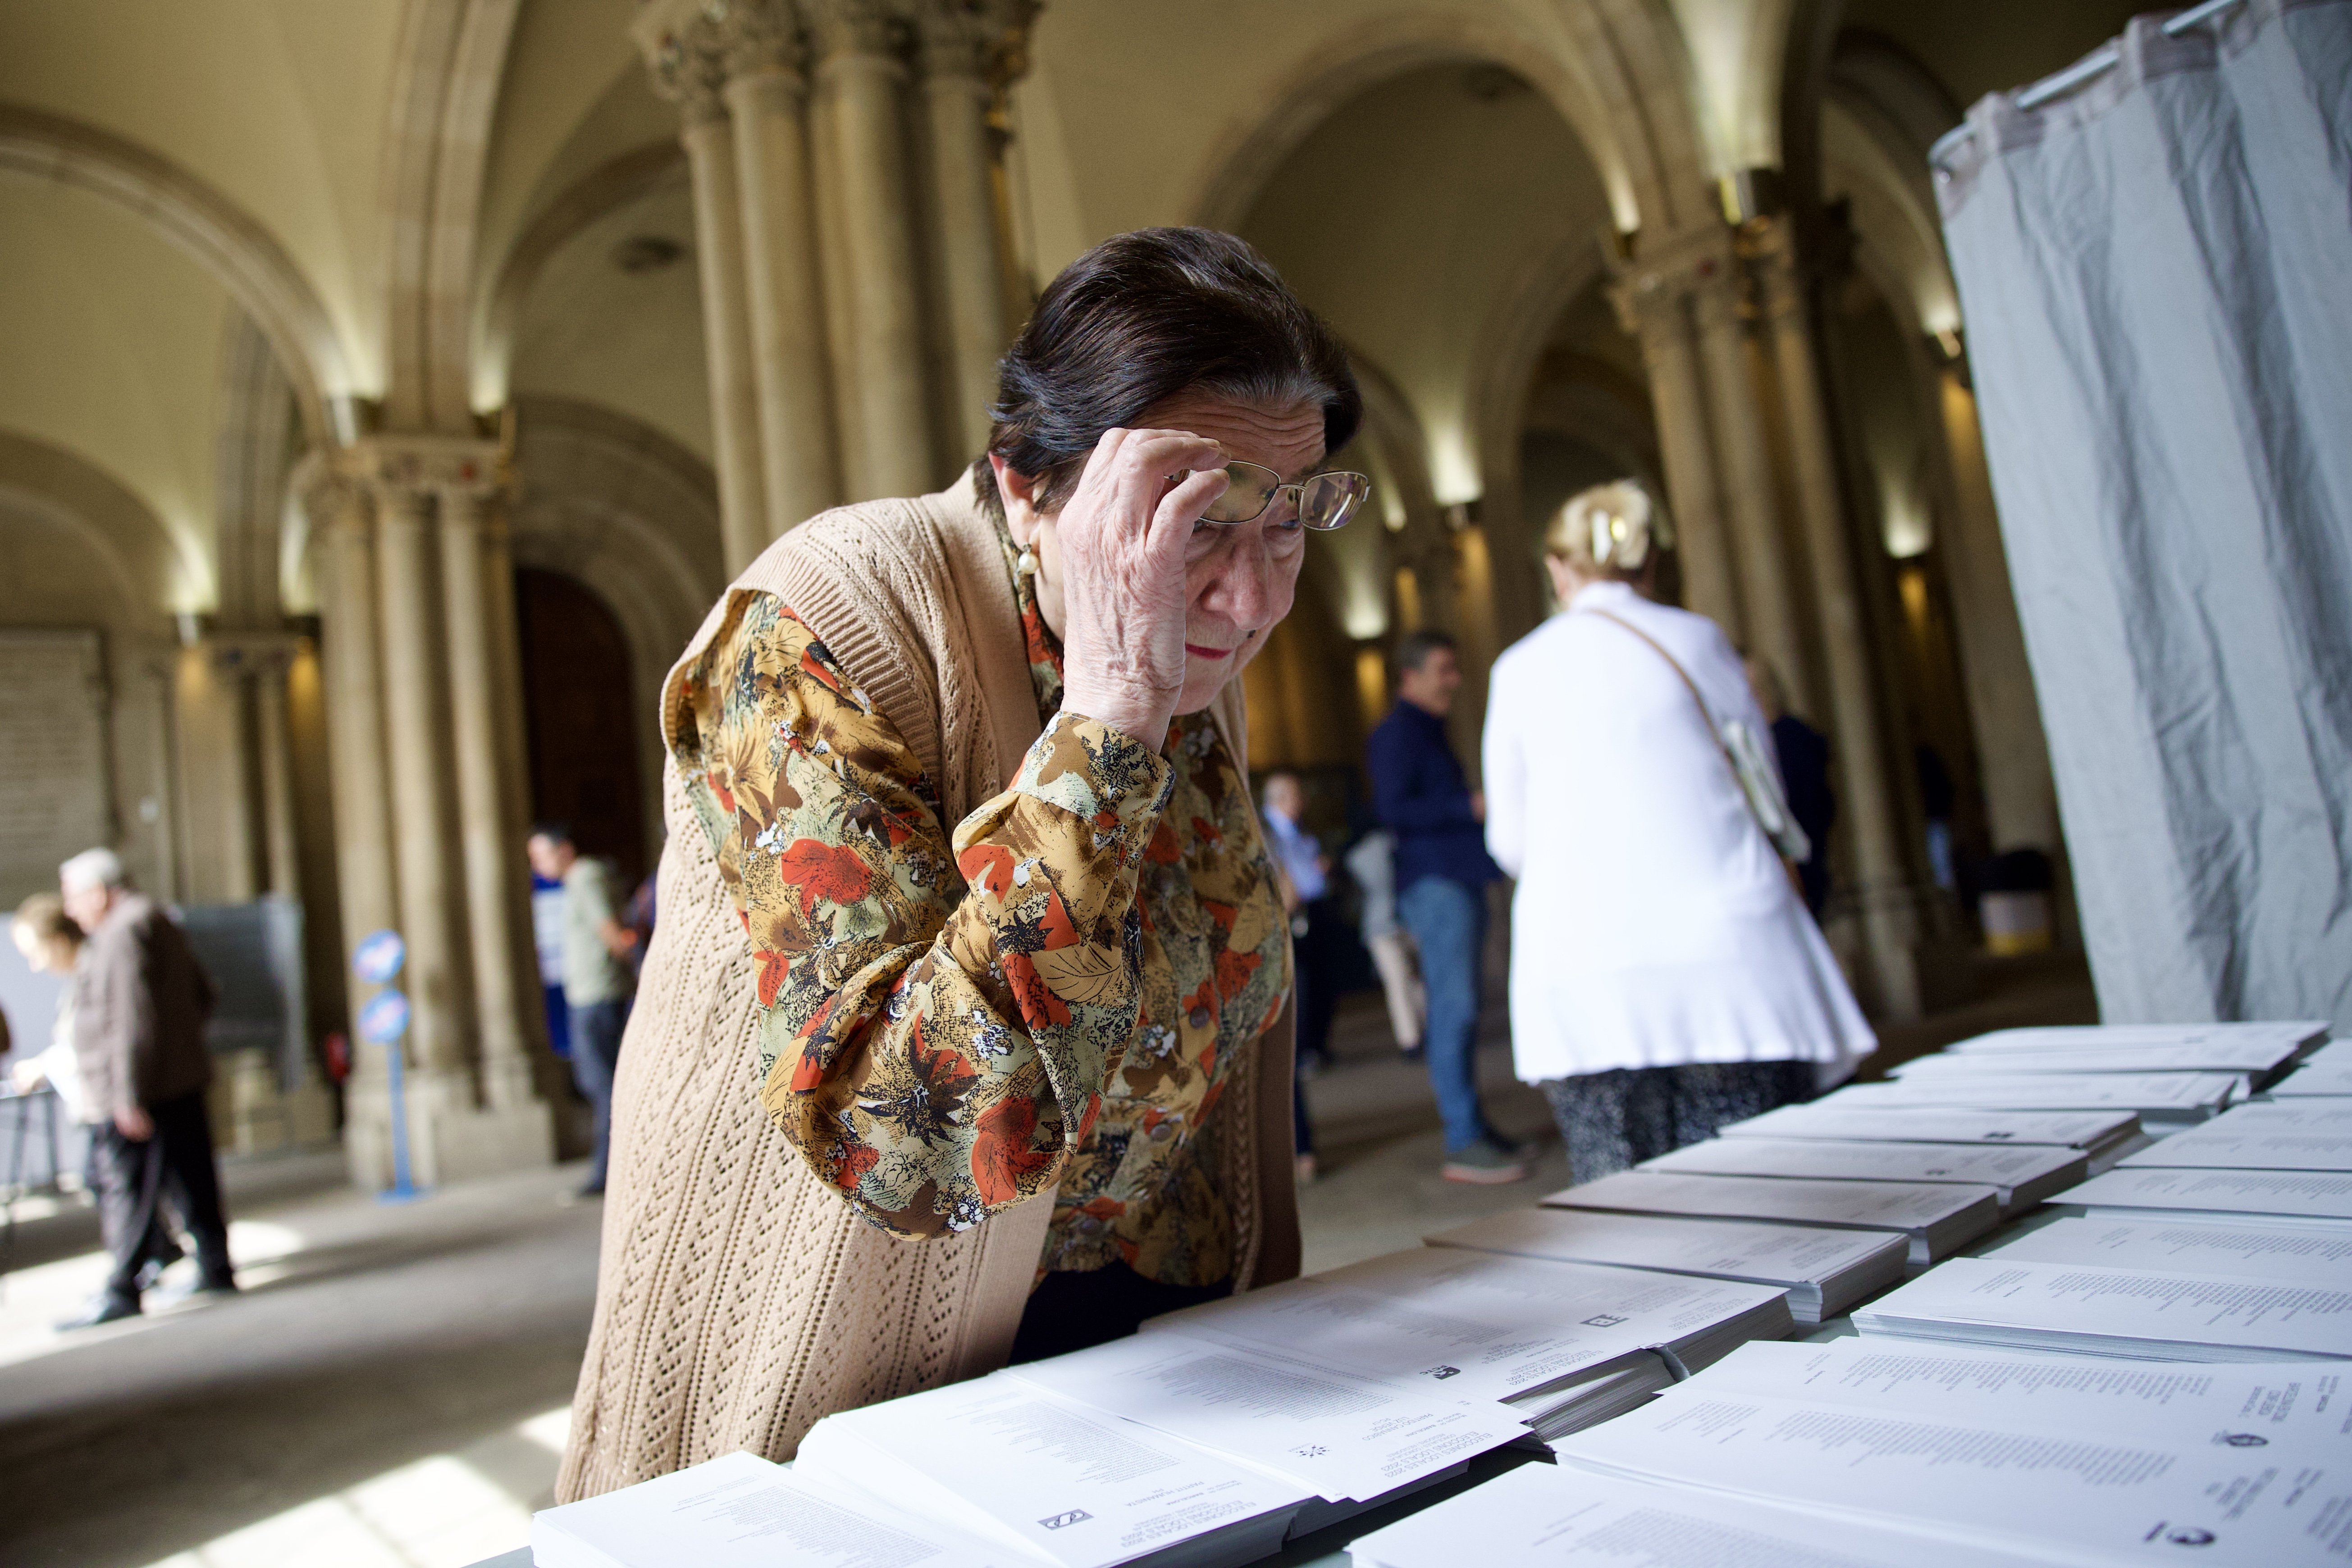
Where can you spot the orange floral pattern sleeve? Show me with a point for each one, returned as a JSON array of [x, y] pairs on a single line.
[[940, 1011]]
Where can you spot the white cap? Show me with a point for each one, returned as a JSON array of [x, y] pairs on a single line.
[[99, 868]]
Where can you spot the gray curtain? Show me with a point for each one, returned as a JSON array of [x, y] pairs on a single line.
[[2155, 271]]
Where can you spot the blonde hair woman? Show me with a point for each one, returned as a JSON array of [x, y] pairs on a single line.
[[1665, 978]]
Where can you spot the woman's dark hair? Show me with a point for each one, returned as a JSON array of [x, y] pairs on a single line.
[[1139, 319]]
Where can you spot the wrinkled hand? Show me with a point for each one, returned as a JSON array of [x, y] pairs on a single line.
[[134, 1123], [1122, 534]]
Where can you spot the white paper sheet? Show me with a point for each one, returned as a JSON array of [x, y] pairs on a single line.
[[2179, 1094], [1080, 1487], [1484, 1326], [2303, 1404], [2301, 1195], [2034, 1168], [2329, 1080], [1539, 1516], [740, 1511], [2256, 1056], [1782, 1255], [2305, 1257], [1962, 1213], [2127, 1499], [2185, 1317], [1337, 1434], [2243, 1147], [2291, 1035], [1822, 1120]]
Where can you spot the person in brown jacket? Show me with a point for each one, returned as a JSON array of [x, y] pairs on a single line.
[[141, 1002]]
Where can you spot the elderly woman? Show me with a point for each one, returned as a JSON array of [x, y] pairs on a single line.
[[964, 1034], [1665, 978]]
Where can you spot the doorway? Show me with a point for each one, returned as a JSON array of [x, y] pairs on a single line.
[[580, 719]]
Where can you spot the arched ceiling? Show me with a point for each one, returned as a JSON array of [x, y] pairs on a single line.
[[594, 331], [1408, 217], [114, 343], [1987, 46], [278, 104]]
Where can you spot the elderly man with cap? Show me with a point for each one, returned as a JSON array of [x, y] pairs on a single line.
[[140, 1001]]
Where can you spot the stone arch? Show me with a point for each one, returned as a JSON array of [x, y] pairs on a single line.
[[204, 224], [626, 179], [632, 517], [1623, 90], [444, 99], [144, 563]]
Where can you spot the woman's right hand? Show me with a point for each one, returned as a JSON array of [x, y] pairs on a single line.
[[1121, 537]]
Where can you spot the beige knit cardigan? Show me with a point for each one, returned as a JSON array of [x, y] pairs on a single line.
[[740, 1298]]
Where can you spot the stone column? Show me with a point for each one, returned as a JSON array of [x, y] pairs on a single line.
[[283, 872], [423, 819], [686, 68], [890, 446], [493, 856], [1891, 933], [1652, 304], [956, 93], [767, 101], [1771, 620]]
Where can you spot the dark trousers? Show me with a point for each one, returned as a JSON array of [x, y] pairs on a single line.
[[1071, 1309], [174, 1164], [1610, 1121], [595, 1053]]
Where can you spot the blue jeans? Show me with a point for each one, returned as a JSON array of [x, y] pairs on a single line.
[[1448, 922], [595, 1052]]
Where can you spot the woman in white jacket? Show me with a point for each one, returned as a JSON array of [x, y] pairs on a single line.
[[1666, 979]]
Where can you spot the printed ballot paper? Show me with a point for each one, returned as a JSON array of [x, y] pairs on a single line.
[[2022, 1177], [1937, 1216], [2093, 1132], [1001, 1459], [2259, 1144], [2311, 1255], [1523, 1331], [1345, 1437], [2259, 1062], [1996, 1479], [2115, 1311], [2325, 1075], [1823, 1271], [2154, 1096], [740, 1511], [2292, 1036], [2296, 1197], [1544, 1516], [2303, 1404]]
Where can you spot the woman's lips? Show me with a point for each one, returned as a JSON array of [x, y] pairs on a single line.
[[1197, 651]]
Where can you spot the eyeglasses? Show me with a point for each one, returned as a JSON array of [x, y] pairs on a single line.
[[1325, 501]]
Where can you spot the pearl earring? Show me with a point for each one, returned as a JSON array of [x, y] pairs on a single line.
[[1027, 565]]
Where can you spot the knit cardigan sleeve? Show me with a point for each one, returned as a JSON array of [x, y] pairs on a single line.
[[938, 1009]]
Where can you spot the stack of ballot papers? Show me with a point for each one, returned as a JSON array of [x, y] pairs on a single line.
[[2297, 1197], [2053, 1459], [1823, 1271], [2256, 1062], [1539, 1516], [2157, 1315], [2299, 1135], [1564, 1344], [2172, 1097], [2096, 1133], [1345, 1437], [2297, 1036], [741, 1511], [1938, 1218], [1051, 1479], [2308, 1257], [2022, 1177], [2326, 1073]]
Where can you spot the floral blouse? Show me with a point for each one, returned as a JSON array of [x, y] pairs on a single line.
[[1054, 993]]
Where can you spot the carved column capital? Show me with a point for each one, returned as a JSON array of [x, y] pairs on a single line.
[[406, 471], [844, 27], [1698, 265], [685, 47]]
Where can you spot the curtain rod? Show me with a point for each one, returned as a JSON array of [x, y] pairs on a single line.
[[2097, 63]]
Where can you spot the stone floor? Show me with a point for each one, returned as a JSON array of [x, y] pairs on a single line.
[[389, 1391]]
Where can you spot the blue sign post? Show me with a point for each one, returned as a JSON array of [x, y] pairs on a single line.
[[383, 1019]]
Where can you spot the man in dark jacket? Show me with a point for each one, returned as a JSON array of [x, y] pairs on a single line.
[[1441, 872], [141, 1002]]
